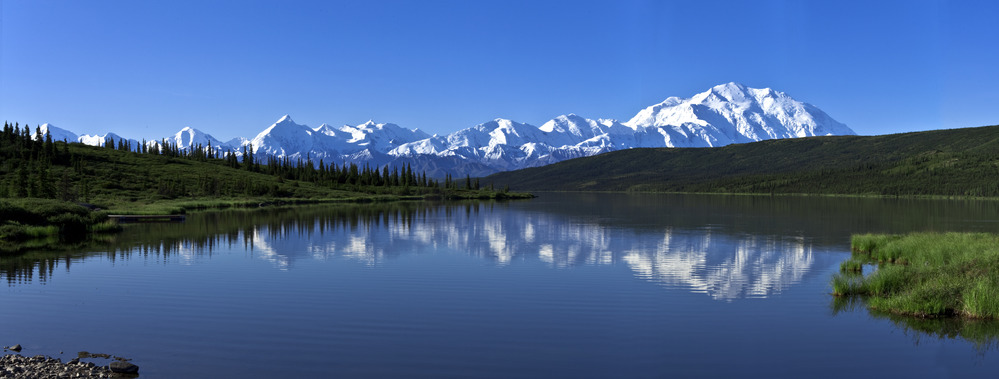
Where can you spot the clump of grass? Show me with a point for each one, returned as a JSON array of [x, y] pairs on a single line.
[[852, 265], [846, 285], [925, 274], [18, 232], [982, 299], [105, 227], [866, 243]]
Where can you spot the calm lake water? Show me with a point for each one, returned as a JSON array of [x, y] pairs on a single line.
[[566, 285]]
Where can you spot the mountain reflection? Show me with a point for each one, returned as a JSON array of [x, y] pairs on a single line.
[[721, 266], [703, 260]]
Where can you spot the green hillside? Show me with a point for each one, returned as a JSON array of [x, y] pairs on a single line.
[[957, 162], [121, 177], [49, 190]]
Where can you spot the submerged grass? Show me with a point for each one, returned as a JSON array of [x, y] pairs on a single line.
[[925, 274]]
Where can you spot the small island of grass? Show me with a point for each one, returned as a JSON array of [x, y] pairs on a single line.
[[924, 274]]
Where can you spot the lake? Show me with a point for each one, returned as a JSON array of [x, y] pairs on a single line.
[[565, 285]]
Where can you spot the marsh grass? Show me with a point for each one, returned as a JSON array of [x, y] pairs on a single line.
[[852, 265], [848, 284], [925, 274], [983, 299], [105, 227]]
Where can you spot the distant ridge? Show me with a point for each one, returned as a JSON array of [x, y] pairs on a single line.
[[724, 114], [955, 162]]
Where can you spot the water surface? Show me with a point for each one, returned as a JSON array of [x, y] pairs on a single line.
[[580, 285]]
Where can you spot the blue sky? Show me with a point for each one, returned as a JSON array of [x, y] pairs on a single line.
[[145, 69]]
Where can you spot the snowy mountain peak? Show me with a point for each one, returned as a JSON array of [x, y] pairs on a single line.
[[58, 134], [724, 114], [732, 113], [730, 88], [189, 137], [326, 129]]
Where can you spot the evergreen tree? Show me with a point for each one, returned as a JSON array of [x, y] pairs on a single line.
[[84, 190], [45, 189], [66, 187], [21, 182], [49, 146]]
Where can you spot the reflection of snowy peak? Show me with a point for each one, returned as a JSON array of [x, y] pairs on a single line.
[[723, 266], [725, 114]]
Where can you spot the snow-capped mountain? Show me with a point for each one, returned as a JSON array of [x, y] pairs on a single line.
[[285, 138], [190, 138], [725, 114], [732, 113], [58, 134], [98, 140]]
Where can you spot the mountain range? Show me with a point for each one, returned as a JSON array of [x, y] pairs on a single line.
[[725, 114]]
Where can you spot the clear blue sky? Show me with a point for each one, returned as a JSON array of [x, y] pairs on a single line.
[[145, 69]]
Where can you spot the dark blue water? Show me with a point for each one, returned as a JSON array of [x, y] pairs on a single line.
[[595, 285]]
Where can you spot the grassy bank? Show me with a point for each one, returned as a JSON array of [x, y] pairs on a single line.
[[27, 224], [924, 274]]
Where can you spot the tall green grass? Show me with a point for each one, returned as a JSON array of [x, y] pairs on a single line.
[[925, 274]]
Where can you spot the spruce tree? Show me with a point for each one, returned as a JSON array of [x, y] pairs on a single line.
[[66, 187], [21, 181]]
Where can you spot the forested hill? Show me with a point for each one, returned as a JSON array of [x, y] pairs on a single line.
[[956, 162], [121, 175]]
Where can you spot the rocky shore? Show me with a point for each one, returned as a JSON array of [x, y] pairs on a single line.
[[44, 367]]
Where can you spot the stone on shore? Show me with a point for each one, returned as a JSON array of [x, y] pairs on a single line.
[[123, 367], [40, 366]]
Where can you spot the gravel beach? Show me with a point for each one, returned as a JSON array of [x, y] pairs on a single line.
[[44, 367]]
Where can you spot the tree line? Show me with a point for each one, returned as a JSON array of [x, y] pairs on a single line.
[[35, 166]]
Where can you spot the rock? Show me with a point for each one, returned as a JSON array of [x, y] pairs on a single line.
[[17, 366], [15, 348], [122, 367]]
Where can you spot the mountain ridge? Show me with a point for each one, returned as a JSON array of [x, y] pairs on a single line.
[[724, 114], [953, 162]]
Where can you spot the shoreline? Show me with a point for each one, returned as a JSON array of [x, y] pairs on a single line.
[[16, 365], [925, 275], [31, 224]]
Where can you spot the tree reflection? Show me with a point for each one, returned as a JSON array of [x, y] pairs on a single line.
[[722, 265]]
